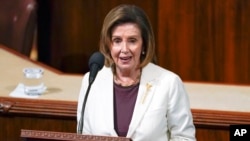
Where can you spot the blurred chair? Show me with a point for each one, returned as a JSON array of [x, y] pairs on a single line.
[[18, 24]]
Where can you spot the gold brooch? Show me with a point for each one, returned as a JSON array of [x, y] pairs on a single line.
[[148, 86]]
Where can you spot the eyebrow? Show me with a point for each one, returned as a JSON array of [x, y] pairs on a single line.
[[134, 36]]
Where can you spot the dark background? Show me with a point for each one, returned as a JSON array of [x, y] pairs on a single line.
[[206, 41]]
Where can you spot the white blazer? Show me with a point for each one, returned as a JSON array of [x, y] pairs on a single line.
[[161, 113]]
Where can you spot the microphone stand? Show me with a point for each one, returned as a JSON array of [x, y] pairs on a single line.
[[96, 62], [81, 121]]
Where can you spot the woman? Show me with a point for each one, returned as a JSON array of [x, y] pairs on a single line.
[[131, 96]]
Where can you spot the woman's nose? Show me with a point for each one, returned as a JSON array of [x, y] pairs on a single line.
[[124, 48]]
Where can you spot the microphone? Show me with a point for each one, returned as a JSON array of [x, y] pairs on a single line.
[[96, 63]]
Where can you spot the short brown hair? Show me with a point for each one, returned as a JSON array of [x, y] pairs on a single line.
[[128, 14]]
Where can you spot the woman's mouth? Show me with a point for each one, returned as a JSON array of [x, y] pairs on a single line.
[[125, 59]]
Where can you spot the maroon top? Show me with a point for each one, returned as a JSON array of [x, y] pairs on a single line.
[[124, 103]]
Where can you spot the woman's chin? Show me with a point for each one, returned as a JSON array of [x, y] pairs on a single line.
[[125, 67]]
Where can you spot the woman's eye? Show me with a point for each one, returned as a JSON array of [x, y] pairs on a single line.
[[116, 40], [132, 40]]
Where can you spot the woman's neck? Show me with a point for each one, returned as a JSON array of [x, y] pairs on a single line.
[[127, 78]]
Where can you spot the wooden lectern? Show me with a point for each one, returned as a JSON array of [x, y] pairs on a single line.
[[36, 135]]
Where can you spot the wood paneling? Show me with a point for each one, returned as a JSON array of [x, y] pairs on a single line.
[[12, 124], [199, 40], [214, 125], [18, 24], [60, 116], [17, 114], [205, 40], [36, 135], [68, 31], [212, 134]]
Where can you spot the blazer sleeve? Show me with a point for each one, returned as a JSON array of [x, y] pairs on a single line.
[[81, 97], [180, 120]]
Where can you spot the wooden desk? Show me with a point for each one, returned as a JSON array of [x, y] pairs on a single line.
[[217, 106], [55, 110], [214, 106]]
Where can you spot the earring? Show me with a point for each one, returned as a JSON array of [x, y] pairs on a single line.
[[143, 53]]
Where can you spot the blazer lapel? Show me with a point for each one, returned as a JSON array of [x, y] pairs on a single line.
[[145, 94], [107, 77]]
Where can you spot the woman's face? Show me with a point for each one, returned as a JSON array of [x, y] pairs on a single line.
[[126, 46]]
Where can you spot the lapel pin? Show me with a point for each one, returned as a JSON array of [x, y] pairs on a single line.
[[148, 86]]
